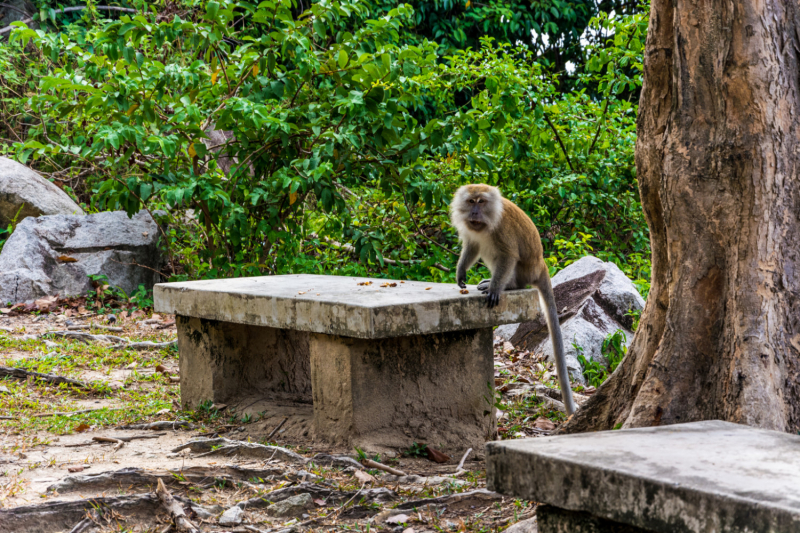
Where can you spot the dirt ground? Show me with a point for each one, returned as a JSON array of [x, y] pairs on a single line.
[[55, 475]]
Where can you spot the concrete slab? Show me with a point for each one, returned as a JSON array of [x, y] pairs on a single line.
[[699, 477], [339, 305]]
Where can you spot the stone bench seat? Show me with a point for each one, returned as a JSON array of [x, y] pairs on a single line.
[[384, 363], [699, 477]]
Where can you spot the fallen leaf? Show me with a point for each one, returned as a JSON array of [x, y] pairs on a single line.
[[145, 234], [44, 304], [408, 530], [5, 310], [387, 284], [80, 428], [435, 455], [74, 469], [365, 283], [162, 369], [138, 314], [589, 390], [320, 502], [543, 423], [67, 259], [464, 291], [156, 317], [397, 519], [363, 477], [428, 288]]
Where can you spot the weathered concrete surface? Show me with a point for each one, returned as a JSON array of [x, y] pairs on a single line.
[[389, 393], [554, 520], [338, 305], [700, 477], [222, 362]]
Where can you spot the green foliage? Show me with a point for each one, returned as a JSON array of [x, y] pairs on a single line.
[[613, 351], [141, 298], [347, 134], [6, 232], [416, 450]]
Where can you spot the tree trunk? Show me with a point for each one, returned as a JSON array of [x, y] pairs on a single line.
[[717, 160]]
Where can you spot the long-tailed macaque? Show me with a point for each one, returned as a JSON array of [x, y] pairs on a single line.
[[495, 230]]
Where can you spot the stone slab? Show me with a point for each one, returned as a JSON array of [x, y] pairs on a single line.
[[697, 477], [339, 305]]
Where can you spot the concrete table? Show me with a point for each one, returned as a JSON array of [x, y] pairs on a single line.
[[385, 363], [699, 477]]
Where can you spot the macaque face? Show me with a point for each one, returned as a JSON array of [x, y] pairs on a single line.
[[476, 219]]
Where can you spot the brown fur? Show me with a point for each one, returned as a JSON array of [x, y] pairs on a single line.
[[496, 230]]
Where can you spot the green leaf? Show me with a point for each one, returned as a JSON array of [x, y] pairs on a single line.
[[342, 60], [212, 9]]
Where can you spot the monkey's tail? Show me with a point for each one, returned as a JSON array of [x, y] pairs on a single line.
[[548, 302]]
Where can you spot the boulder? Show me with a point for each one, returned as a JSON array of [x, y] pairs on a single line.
[[51, 255], [21, 187], [593, 299]]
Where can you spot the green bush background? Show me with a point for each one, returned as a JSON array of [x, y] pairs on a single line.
[[352, 122]]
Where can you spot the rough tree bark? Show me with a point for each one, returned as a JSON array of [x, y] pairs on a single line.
[[717, 159]]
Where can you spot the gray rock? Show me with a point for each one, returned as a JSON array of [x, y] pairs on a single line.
[[524, 526], [32, 261], [291, 507], [4, 390], [585, 332], [616, 295], [21, 187], [232, 517], [506, 331], [593, 298]]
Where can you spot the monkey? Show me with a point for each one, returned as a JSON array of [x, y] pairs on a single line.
[[495, 230]]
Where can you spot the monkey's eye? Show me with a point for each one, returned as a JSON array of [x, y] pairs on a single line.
[[480, 200], [471, 201]]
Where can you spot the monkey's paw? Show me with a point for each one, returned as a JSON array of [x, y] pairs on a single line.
[[484, 285], [492, 299]]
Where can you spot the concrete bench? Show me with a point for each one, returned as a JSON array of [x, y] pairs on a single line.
[[698, 477], [383, 363]]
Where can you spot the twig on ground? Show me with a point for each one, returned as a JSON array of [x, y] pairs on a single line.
[[122, 343], [86, 523], [86, 337], [147, 345], [372, 464], [163, 424], [82, 411], [279, 426], [255, 529], [49, 378], [245, 449], [127, 438], [175, 509], [115, 329], [117, 442], [460, 467]]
